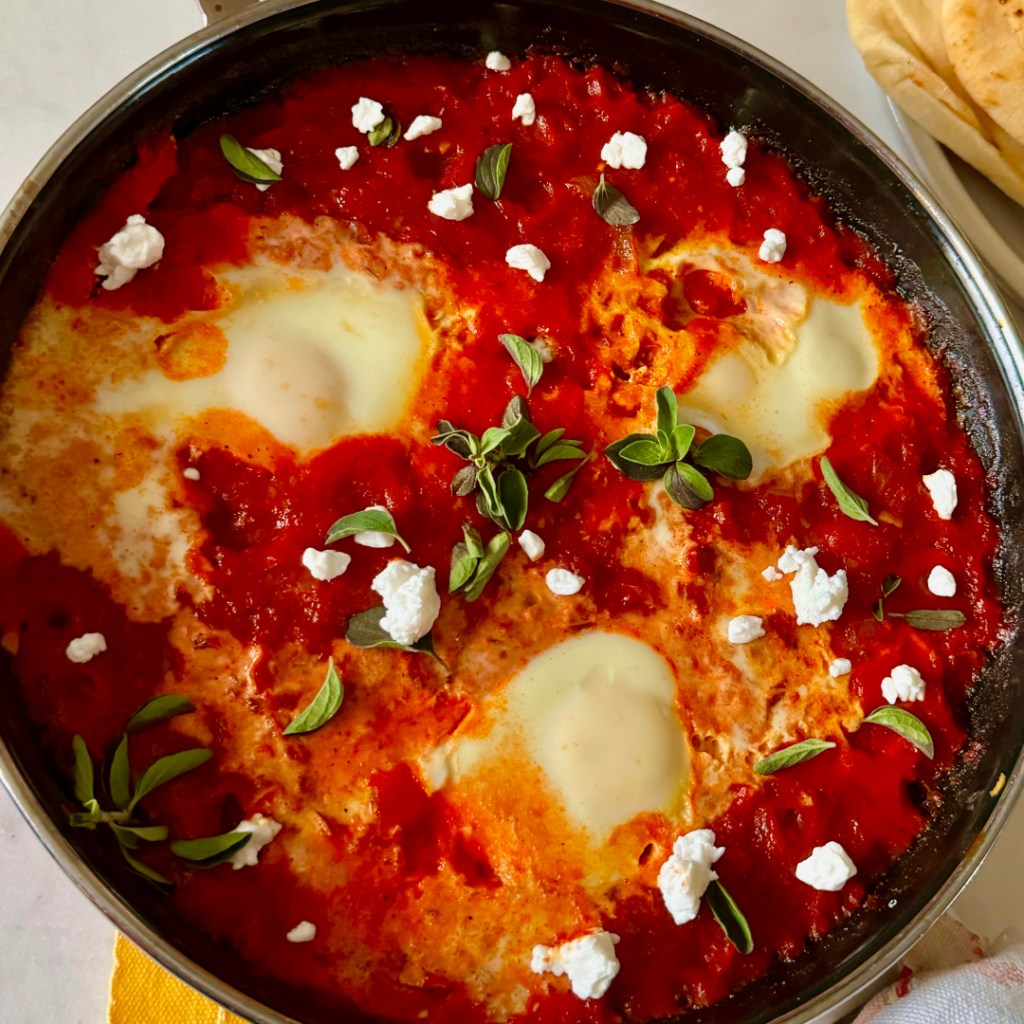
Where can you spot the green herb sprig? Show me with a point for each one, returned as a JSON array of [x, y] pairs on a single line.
[[850, 503], [369, 520], [491, 168], [364, 630], [322, 708], [789, 756], [909, 726], [889, 586], [730, 917], [387, 133], [612, 206], [656, 456], [246, 165], [473, 564]]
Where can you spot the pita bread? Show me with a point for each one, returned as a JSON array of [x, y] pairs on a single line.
[[985, 41], [903, 47]]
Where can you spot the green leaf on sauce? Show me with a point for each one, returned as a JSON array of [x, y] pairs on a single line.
[[850, 503], [84, 782], [370, 519], [526, 357], [789, 756], [634, 470], [158, 709], [645, 452], [729, 916], [248, 166], [668, 411], [129, 835], [168, 768], [687, 486], [726, 455], [515, 497], [612, 206], [87, 818], [889, 586], [387, 133], [909, 726], [497, 548], [323, 707], [211, 851], [491, 168], [560, 488], [143, 869], [365, 631], [938, 619], [120, 775]]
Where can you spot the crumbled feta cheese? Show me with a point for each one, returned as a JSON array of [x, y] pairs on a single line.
[[903, 683], [525, 109], [563, 582], [590, 962], [687, 873], [263, 831], [736, 176], [840, 667], [272, 158], [625, 149], [497, 61], [941, 582], [325, 565], [771, 574], [817, 597], [136, 246], [422, 124], [542, 346], [86, 647], [453, 203], [530, 259], [942, 486], [745, 628], [773, 248], [366, 114], [191, 473], [374, 538], [734, 149], [410, 598], [304, 931], [347, 156], [827, 869], [531, 544]]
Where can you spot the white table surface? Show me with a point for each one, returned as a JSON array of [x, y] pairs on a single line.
[[56, 58]]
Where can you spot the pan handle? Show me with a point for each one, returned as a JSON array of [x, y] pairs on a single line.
[[216, 10]]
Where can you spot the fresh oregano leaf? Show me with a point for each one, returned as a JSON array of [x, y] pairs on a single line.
[[361, 522], [515, 411], [851, 504], [560, 488], [612, 206], [120, 775], [464, 482], [492, 439], [789, 756], [129, 835], [364, 630], [729, 916], [248, 166], [158, 709], [687, 487], [668, 410], [462, 568], [938, 619], [568, 450], [491, 168], [682, 438], [548, 440], [520, 436], [211, 851], [497, 548], [526, 357], [168, 768], [645, 452], [888, 586], [84, 781], [634, 470], [473, 541], [381, 133], [909, 726], [87, 818], [143, 869], [323, 707], [461, 442], [728, 456], [515, 497]]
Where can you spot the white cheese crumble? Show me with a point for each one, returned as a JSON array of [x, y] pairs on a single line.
[[272, 158], [736, 176], [942, 486], [410, 598], [817, 597], [452, 203], [304, 931], [827, 869], [840, 667], [422, 124], [903, 683], [497, 61], [625, 149], [771, 574], [347, 156], [563, 582], [687, 873], [325, 565], [374, 538], [525, 109], [366, 114], [531, 544], [86, 647], [136, 246], [542, 346], [590, 962], [941, 582], [191, 473], [530, 259], [263, 831], [734, 152], [745, 628], [773, 248]]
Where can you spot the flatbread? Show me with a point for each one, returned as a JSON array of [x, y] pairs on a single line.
[[904, 50], [985, 41]]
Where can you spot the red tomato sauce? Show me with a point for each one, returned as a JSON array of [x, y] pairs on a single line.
[[863, 794]]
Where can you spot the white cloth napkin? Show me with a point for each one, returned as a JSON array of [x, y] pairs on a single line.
[[948, 979]]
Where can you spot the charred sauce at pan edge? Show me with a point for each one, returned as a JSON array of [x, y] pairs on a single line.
[[859, 794]]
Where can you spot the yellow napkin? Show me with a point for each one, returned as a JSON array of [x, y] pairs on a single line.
[[142, 992]]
